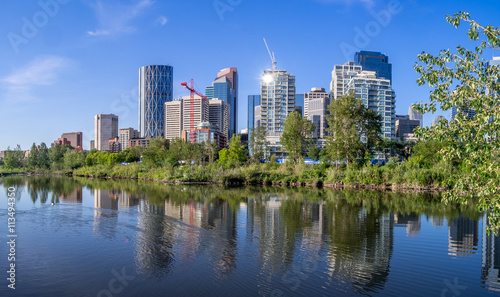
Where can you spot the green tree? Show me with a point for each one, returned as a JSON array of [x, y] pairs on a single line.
[[349, 122], [235, 155], [56, 155], [43, 157], [155, 155], [465, 80], [296, 137], [314, 152], [14, 158], [178, 151], [132, 154], [73, 159], [32, 161], [258, 144]]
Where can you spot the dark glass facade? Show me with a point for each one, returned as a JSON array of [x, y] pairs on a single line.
[[374, 61], [253, 100]]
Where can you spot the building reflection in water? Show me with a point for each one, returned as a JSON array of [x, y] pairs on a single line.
[[463, 236], [106, 204], [74, 197], [490, 259], [216, 216], [155, 241], [410, 221]]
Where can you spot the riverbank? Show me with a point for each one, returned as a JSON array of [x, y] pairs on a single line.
[[392, 177]]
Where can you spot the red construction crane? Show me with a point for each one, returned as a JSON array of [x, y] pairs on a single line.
[[193, 91]]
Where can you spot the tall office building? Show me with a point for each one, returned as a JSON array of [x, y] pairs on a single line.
[[201, 112], [374, 61], [232, 75], [209, 92], [253, 101], [219, 115], [277, 95], [106, 128], [299, 103], [405, 129], [223, 90], [155, 88], [125, 135], [415, 115], [341, 75], [469, 113], [315, 109], [436, 120], [377, 94], [173, 119]]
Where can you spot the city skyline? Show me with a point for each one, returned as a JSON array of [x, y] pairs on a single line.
[[90, 66]]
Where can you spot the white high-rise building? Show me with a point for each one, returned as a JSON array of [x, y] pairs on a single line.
[[173, 119], [315, 109], [415, 115], [341, 75], [257, 116], [105, 128], [219, 115], [201, 112], [277, 95], [377, 94]]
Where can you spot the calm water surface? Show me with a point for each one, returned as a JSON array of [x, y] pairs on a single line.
[[124, 238]]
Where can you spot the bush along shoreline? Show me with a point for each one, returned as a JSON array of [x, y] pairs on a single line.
[[393, 176]]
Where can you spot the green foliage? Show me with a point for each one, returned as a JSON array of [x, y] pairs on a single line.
[[14, 158], [258, 144], [155, 155], [235, 155], [74, 159], [56, 156], [464, 79], [314, 152], [296, 137], [132, 154], [349, 120]]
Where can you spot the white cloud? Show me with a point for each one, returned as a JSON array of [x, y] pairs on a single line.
[[161, 20], [115, 18], [39, 72]]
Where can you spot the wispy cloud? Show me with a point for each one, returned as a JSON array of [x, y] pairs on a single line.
[[39, 72], [161, 20], [115, 18]]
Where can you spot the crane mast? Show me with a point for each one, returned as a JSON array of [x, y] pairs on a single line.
[[191, 114]]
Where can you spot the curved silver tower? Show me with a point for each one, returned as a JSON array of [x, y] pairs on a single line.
[[155, 88]]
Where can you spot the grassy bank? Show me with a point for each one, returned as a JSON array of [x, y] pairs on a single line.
[[404, 174]]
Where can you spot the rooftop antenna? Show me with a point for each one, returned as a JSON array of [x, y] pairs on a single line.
[[273, 58]]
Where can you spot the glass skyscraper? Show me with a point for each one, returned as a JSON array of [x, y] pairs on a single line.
[[374, 61], [223, 90], [155, 88], [253, 101], [231, 74], [377, 94], [277, 93]]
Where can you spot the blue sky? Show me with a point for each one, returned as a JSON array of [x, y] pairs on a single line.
[[64, 61]]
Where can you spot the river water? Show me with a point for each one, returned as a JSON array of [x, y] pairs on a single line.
[[129, 238]]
